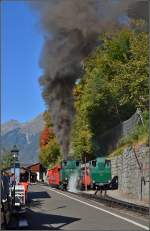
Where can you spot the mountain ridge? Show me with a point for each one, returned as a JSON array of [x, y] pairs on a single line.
[[25, 135]]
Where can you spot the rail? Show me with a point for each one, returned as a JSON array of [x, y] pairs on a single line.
[[113, 202]]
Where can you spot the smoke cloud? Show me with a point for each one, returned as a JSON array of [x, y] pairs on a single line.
[[70, 28]]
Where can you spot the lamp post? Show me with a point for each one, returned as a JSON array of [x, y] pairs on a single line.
[[14, 153]]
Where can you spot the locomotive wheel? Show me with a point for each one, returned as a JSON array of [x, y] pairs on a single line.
[[82, 187]]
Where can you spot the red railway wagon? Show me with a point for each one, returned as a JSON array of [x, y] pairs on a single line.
[[54, 176]]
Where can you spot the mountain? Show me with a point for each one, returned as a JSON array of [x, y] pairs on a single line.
[[25, 136], [9, 126]]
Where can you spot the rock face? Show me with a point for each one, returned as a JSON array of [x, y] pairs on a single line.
[[25, 136], [127, 167]]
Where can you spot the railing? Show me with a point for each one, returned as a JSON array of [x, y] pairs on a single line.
[[108, 142]]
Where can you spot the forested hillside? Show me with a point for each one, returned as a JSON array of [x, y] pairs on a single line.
[[114, 85]]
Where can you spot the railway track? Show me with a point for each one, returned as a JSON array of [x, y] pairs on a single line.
[[113, 202]]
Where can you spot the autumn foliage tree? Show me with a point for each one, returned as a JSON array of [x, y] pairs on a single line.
[[46, 136], [49, 148]]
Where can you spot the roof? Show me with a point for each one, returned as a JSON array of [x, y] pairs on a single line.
[[34, 164], [37, 165]]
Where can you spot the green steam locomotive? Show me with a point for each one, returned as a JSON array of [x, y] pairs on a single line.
[[96, 174]]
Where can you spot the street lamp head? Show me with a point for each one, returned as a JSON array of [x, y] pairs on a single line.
[[15, 151]]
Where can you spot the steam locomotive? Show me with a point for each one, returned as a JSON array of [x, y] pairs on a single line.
[[95, 174]]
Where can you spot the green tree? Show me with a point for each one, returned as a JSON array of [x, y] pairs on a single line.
[[115, 83], [6, 160], [47, 119], [82, 140], [50, 153]]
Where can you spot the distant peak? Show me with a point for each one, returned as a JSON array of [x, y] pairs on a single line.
[[9, 126], [13, 121]]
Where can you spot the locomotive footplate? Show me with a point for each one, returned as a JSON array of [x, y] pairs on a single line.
[[64, 185], [113, 185]]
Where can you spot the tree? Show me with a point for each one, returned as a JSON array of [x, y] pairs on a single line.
[[46, 135], [7, 160], [82, 140], [49, 147], [47, 119], [115, 83], [50, 153]]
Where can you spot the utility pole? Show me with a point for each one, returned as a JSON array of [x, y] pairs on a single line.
[[85, 171]]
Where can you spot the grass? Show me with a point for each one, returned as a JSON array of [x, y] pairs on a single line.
[[138, 136]]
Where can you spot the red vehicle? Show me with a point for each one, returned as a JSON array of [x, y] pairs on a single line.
[[54, 176]]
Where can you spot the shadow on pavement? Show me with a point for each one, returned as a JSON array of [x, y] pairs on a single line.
[[35, 198], [35, 203], [38, 195], [42, 221], [37, 218]]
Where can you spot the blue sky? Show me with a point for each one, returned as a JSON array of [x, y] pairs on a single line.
[[21, 47]]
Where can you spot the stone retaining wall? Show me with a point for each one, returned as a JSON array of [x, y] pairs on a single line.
[[127, 169]]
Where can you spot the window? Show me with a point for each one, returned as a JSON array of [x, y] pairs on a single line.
[[77, 163], [94, 163], [65, 163], [107, 163]]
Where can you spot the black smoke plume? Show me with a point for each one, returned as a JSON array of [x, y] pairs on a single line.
[[71, 28]]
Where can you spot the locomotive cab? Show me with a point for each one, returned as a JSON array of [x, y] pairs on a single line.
[[100, 170], [68, 168]]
